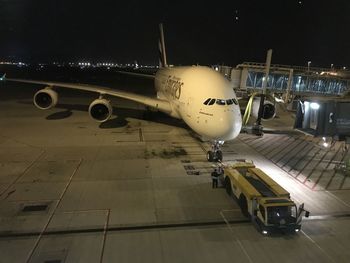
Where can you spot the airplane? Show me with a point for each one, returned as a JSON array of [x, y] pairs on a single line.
[[200, 96]]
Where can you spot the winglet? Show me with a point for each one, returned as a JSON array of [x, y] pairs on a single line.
[[3, 78]]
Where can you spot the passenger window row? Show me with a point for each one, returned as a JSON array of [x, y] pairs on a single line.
[[211, 101]]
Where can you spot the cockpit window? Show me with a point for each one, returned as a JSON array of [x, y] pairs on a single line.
[[229, 102], [207, 101], [212, 101], [220, 102]]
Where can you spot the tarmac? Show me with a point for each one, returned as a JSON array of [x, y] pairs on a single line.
[[138, 189]]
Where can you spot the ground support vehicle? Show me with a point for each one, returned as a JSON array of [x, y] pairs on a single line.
[[262, 199]]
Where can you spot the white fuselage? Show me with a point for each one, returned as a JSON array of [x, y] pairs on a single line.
[[188, 89]]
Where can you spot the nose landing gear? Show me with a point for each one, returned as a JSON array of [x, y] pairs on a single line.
[[215, 155]]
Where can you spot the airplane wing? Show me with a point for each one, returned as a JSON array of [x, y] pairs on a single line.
[[161, 105], [142, 75]]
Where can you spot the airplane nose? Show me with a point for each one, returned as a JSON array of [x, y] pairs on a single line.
[[231, 125], [224, 126]]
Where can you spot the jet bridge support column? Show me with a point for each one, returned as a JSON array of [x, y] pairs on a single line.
[[257, 128], [289, 85]]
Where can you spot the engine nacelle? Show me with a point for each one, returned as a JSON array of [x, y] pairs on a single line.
[[269, 110], [45, 99], [100, 110]]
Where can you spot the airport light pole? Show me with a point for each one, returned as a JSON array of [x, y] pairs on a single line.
[[308, 66]]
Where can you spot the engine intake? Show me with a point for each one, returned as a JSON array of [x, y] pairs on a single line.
[[45, 99], [100, 110], [269, 109]]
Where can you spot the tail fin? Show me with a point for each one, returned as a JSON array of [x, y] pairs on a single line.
[[161, 46], [3, 77]]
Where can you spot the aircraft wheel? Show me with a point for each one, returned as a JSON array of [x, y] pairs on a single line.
[[210, 156]]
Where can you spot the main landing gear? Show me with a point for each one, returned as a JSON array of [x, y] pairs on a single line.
[[215, 155]]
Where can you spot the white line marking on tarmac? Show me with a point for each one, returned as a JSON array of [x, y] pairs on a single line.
[[336, 197], [314, 242], [231, 230], [30, 255]]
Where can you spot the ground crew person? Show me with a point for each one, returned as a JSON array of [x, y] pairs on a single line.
[[215, 176]]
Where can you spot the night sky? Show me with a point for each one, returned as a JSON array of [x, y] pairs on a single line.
[[218, 32]]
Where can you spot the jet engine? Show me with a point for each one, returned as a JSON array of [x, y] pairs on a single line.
[[269, 110], [45, 99], [100, 110]]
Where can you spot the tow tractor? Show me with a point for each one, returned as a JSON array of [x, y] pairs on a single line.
[[263, 200]]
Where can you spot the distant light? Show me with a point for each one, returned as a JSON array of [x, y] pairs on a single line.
[[325, 144], [264, 232], [297, 230], [324, 138], [314, 105]]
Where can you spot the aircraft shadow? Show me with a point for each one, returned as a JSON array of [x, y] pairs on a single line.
[[116, 122], [121, 115], [60, 115]]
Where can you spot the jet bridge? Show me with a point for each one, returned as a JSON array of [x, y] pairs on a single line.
[[288, 79], [322, 95]]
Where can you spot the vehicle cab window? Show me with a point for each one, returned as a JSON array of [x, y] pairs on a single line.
[[276, 213]]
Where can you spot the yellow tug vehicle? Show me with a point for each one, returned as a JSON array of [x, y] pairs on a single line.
[[262, 199]]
